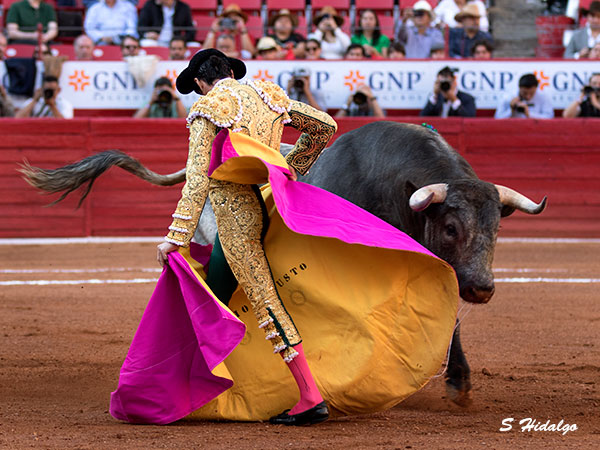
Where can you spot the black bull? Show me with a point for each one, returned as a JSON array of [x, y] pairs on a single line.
[[406, 175]]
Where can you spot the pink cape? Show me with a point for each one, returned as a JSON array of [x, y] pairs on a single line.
[[185, 332]]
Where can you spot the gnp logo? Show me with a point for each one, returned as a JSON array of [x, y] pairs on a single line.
[[543, 80], [79, 80], [263, 75], [354, 79]]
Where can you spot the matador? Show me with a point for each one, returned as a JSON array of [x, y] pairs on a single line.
[[260, 110]]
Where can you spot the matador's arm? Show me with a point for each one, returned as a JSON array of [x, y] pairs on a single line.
[[317, 128], [195, 190]]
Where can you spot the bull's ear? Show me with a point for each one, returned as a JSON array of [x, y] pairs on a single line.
[[506, 211]]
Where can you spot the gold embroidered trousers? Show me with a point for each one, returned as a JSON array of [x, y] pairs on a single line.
[[241, 221]]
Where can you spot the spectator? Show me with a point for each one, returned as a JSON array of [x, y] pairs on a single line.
[[334, 41], [361, 103], [177, 49], [595, 52], [447, 100], [284, 24], [226, 44], [6, 107], [369, 35], [3, 45], [298, 88], [164, 103], [47, 102], [438, 51], [446, 11], [107, 21], [84, 48], [267, 48], [482, 50], [23, 18], [462, 39], [587, 37], [313, 49], [233, 23], [588, 104], [355, 51], [396, 51], [418, 38], [130, 46], [161, 20], [530, 103]]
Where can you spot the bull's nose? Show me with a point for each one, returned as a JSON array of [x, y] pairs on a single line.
[[477, 294]]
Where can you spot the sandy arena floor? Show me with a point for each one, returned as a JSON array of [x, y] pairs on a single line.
[[534, 352]]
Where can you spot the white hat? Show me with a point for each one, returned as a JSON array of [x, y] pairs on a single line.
[[423, 5]]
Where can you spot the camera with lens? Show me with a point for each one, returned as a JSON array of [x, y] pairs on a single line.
[[445, 86], [227, 23], [48, 93], [359, 99], [164, 98], [419, 13], [298, 76], [588, 90]]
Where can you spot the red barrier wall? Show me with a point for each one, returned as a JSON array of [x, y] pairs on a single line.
[[557, 158]]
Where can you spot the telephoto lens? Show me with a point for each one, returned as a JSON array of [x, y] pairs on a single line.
[[359, 98], [299, 84], [48, 93], [445, 86]]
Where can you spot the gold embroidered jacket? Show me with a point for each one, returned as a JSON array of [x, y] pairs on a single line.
[[259, 109]]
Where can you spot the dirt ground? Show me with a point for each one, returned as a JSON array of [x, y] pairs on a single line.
[[534, 352]]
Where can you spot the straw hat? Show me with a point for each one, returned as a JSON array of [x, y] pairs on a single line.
[[329, 11], [469, 10], [423, 5], [284, 13], [234, 10], [266, 43]]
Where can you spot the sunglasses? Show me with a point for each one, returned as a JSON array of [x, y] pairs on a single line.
[[131, 47], [312, 49]]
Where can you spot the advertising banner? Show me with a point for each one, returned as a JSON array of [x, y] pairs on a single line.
[[402, 84]]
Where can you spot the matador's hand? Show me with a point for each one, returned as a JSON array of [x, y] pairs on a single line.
[[293, 175], [162, 252]]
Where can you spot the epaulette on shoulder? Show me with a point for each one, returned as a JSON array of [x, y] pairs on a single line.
[[221, 106], [273, 95]]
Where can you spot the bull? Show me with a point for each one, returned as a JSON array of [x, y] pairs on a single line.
[[405, 174]]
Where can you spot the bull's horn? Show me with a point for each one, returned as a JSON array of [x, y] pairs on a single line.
[[513, 199], [423, 197]]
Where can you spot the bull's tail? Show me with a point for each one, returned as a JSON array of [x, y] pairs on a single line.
[[68, 178]]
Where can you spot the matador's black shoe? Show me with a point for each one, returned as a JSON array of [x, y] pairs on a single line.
[[314, 415]]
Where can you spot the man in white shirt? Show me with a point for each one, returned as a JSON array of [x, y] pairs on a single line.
[[107, 21], [530, 103], [46, 102]]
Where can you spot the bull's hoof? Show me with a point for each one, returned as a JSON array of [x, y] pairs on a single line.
[[462, 397]]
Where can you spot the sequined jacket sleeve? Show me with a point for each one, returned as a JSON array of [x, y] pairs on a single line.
[[317, 128], [195, 190]]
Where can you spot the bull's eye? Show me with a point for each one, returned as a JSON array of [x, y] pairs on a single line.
[[451, 231]]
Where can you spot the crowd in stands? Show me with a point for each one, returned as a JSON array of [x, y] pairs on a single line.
[[426, 29]]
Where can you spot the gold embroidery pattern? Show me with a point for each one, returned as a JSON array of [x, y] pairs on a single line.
[[194, 192], [317, 128], [240, 223], [221, 106]]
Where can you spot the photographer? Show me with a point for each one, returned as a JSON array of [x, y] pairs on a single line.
[[530, 103], [164, 102], [232, 22], [298, 88], [447, 100], [588, 104], [46, 102], [361, 104]]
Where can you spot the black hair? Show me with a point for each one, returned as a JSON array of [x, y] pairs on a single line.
[[376, 31], [487, 44], [49, 79], [447, 72], [163, 81], [314, 41], [528, 80], [213, 69], [397, 47], [353, 46], [178, 38]]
